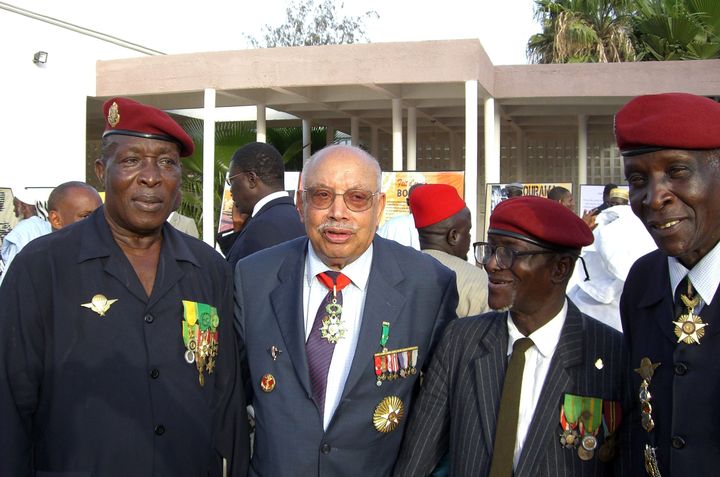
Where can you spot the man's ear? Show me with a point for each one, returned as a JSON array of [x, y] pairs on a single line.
[[452, 237], [563, 268], [100, 170], [55, 221]]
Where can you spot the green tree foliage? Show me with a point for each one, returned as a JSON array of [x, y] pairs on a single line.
[[310, 23], [582, 31], [625, 30], [677, 29]]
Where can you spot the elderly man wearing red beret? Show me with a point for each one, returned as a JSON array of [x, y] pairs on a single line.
[[670, 308], [118, 355], [535, 388], [443, 223]]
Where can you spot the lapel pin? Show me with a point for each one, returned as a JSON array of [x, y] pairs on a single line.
[[274, 352], [99, 304], [599, 363]]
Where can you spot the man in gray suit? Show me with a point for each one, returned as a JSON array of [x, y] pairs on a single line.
[[550, 409], [335, 358]]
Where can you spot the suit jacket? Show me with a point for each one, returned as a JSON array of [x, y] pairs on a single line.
[[459, 403], [276, 222], [406, 288], [685, 388]]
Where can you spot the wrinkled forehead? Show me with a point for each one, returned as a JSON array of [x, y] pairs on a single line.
[[342, 167]]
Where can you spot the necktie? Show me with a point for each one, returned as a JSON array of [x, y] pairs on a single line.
[[320, 349], [506, 429]]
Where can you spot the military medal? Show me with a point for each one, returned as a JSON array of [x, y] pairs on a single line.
[[200, 335], [651, 463], [569, 413], [394, 364], [589, 425], [646, 370], [689, 328], [332, 328], [611, 421], [388, 414], [267, 383], [99, 304]]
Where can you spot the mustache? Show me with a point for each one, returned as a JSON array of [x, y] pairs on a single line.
[[331, 224]]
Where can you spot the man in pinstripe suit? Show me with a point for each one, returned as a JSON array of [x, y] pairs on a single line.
[[571, 388]]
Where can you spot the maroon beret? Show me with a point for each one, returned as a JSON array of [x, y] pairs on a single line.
[[433, 203], [667, 121], [540, 221], [130, 118]]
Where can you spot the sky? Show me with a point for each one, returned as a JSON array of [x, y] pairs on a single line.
[[503, 26]]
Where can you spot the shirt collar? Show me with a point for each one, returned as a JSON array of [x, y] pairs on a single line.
[[357, 271], [272, 196], [703, 275], [545, 338]]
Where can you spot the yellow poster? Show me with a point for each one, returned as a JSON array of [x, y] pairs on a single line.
[[395, 185]]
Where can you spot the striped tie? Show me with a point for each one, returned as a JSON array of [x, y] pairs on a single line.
[[320, 350]]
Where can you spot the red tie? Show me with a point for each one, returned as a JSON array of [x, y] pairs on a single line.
[[320, 350]]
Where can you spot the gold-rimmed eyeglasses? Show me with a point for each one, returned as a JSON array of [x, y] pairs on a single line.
[[357, 200]]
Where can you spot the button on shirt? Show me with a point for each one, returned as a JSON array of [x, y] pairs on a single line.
[[353, 303], [537, 364], [703, 276]]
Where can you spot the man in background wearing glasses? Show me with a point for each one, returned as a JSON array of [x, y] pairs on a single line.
[[257, 185], [535, 388], [332, 381]]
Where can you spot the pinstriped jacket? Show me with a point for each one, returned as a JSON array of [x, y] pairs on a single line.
[[458, 405]]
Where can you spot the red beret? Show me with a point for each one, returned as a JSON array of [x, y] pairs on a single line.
[[667, 121], [432, 203], [540, 221], [130, 118]]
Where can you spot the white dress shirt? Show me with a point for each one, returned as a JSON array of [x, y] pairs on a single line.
[[703, 276], [537, 364], [352, 308], [272, 196]]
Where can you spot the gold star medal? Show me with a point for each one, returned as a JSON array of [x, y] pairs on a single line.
[[689, 328], [99, 304], [388, 414]]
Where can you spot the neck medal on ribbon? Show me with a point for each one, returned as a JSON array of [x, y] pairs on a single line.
[[689, 328], [199, 332], [333, 329]]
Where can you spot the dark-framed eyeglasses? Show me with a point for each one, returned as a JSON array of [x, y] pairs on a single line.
[[504, 256], [357, 200], [228, 180]]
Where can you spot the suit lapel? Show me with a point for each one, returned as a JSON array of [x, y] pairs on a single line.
[[544, 426], [287, 303], [383, 302], [491, 362], [657, 298]]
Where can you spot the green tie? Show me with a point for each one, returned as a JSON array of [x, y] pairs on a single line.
[[507, 423]]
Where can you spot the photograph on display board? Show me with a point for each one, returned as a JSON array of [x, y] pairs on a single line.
[[395, 185], [496, 193]]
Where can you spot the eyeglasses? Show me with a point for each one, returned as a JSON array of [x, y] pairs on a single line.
[[504, 256], [357, 200], [228, 180]]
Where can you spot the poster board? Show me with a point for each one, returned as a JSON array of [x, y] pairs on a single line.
[[591, 196], [396, 184], [7, 212], [495, 193]]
